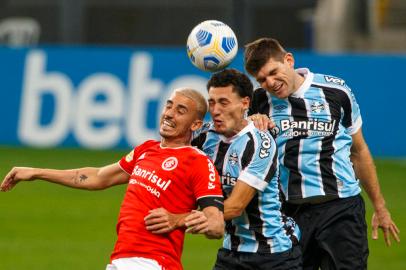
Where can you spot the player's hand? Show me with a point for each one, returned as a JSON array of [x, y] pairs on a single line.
[[382, 219], [161, 221], [16, 175], [196, 222], [262, 121]]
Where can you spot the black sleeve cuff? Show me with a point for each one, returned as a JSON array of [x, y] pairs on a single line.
[[216, 201]]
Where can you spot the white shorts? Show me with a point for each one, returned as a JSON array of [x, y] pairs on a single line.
[[134, 263]]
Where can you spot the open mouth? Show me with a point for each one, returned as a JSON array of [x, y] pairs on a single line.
[[168, 124], [278, 87]]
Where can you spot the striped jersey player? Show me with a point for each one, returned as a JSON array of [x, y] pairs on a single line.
[[313, 131], [323, 157]]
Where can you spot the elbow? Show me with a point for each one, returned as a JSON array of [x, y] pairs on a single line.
[[96, 186], [214, 236]]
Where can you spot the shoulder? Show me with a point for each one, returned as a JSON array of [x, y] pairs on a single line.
[[189, 153], [200, 135], [259, 92], [330, 81], [260, 138], [196, 153], [332, 84], [147, 144]]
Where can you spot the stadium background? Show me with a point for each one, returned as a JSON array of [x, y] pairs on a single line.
[[82, 80]]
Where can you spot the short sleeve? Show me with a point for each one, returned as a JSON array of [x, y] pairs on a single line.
[[356, 120], [263, 164], [206, 183], [127, 163]]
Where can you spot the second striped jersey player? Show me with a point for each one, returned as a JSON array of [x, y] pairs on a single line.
[[257, 234], [250, 156]]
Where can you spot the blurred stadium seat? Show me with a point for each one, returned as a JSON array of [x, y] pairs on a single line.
[[19, 31]]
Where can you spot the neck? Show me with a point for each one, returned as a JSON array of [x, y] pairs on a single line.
[[174, 142], [237, 128], [299, 80]]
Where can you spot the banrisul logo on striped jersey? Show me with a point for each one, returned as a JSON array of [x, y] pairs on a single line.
[[311, 127]]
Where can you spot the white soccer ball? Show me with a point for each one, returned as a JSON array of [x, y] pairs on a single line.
[[212, 45]]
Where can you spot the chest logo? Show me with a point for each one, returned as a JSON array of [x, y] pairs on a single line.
[[233, 158], [170, 163], [280, 107], [317, 107]]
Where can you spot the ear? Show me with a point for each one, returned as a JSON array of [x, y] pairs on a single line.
[[245, 103], [196, 125], [289, 59]]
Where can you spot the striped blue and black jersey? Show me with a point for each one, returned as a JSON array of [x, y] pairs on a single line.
[[313, 133], [250, 156]]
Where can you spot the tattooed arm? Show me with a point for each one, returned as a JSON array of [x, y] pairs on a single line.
[[82, 178]]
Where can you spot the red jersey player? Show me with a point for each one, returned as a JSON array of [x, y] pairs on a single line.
[[169, 175]]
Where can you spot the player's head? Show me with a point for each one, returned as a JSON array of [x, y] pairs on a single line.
[[273, 68], [230, 92], [183, 113]]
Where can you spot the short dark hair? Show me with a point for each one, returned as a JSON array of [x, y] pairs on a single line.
[[238, 80], [258, 53]]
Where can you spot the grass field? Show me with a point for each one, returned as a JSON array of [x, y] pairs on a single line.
[[49, 227]]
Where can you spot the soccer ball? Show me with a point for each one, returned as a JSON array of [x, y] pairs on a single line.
[[211, 45]]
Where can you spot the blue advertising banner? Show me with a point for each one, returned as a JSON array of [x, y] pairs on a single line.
[[112, 97]]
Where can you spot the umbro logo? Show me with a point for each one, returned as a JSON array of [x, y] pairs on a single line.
[[280, 107]]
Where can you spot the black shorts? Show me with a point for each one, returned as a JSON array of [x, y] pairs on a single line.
[[334, 233], [234, 260]]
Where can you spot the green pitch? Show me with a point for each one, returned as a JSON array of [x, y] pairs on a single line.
[[44, 226]]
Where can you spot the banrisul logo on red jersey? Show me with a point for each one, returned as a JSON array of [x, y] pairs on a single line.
[[153, 183]]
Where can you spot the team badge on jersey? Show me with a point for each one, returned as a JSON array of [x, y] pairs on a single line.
[[318, 107], [170, 163], [233, 158]]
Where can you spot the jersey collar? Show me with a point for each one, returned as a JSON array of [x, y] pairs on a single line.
[[299, 93], [243, 131]]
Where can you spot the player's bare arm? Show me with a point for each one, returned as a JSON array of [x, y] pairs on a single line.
[[82, 178], [365, 170], [238, 200]]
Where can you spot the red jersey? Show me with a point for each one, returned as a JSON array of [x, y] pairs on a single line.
[[172, 178]]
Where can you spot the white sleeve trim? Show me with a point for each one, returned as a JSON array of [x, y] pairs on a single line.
[[355, 127], [253, 181]]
